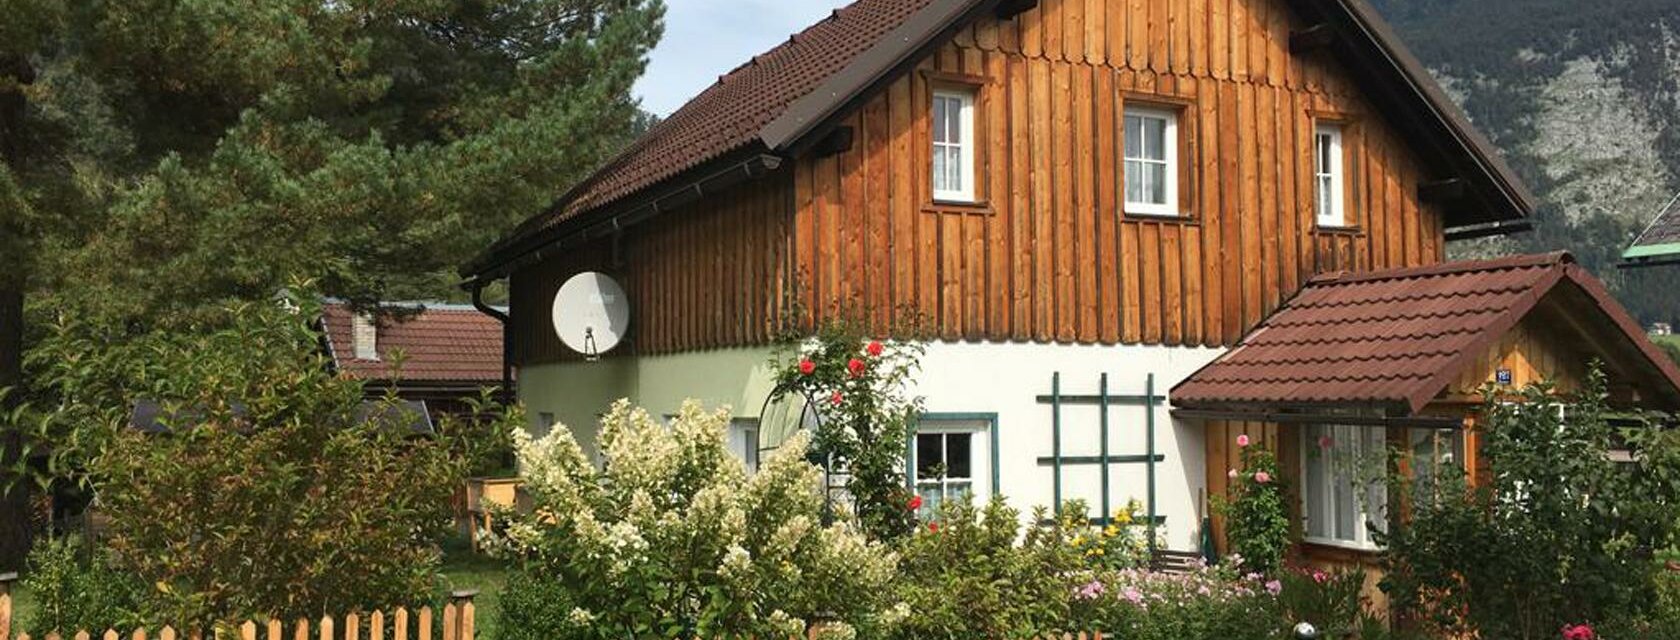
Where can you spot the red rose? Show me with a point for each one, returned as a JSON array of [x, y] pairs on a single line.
[[856, 367], [875, 348], [933, 527], [806, 367], [915, 503], [837, 398]]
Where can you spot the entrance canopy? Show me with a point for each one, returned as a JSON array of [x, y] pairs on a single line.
[[1395, 340]]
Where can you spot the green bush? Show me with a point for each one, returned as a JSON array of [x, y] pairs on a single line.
[[78, 587], [1331, 600], [1558, 535], [671, 538], [269, 488]]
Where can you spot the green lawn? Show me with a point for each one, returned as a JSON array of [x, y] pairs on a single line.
[[463, 569]]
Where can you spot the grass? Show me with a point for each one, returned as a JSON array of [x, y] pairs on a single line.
[[463, 569]]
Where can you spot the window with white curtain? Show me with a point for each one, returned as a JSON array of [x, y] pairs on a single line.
[[953, 146], [1151, 155], [1336, 512]]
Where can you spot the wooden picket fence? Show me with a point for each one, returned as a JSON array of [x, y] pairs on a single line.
[[456, 623]]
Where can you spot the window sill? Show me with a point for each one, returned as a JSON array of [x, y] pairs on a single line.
[[1341, 546], [1354, 230], [1181, 218], [959, 208]]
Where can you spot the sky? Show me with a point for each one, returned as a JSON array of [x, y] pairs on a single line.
[[706, 38]]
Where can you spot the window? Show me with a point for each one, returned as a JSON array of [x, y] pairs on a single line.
[[1432, 451], [1151, 138], [953, 146], [1335, 509], [545, 424], [1329, 176], [944, 468], [743, 442]]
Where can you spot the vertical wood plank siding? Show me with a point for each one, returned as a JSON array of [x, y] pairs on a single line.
[[708, 275], [1050, 256]]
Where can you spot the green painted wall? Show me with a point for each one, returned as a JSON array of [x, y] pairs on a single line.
[[576, 393]]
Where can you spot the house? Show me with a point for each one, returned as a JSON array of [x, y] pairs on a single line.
[[1138, 228], [436, 358], [1659, 243]]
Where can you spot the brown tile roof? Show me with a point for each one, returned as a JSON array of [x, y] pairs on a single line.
[[779, 97], [732, 114], [442, 344], [1397, 338]]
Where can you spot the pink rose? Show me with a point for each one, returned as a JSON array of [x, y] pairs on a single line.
[[1274, 587], [1242, 440], [1262, 477], [1232, 474]]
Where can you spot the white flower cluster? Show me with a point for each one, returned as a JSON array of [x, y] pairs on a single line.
[[671, 504]]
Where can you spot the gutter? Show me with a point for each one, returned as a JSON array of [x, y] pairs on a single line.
[[477, 288], [1319, 418]]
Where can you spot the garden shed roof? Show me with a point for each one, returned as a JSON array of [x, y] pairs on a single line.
[[1397, 338], [440, 344]]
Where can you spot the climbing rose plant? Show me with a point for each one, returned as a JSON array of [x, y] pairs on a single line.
[[857, 387], [1255, 510], [672, 538]]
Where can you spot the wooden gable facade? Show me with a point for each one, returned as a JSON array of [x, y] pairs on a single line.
[[1047, 255]]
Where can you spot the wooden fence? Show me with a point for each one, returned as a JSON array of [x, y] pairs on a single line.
[[455, 623]]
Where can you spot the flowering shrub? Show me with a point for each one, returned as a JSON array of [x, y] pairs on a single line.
[[1211, 602], [1255, 510], [1330, 600], [674, 539], [1121, 544], [866, 420]]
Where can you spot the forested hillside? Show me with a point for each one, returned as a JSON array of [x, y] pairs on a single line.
[[1584, 100]]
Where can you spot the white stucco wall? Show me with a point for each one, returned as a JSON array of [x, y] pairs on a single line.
[[1001, 379]]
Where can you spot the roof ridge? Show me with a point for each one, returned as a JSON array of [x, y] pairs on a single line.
[[1552, 259]]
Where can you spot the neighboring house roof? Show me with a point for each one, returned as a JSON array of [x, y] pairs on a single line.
[[1398, 338], [779, 99], [441, 344], [1659, 243]]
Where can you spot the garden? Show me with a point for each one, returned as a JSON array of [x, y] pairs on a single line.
[[269, 496]]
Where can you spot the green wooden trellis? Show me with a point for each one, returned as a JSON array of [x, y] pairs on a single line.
[[1105, 401]]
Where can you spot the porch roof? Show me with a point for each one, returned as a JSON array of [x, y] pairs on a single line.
[[1395, 339]]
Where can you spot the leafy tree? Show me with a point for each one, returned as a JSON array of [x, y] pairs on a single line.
[[159, 159], [257, 452]]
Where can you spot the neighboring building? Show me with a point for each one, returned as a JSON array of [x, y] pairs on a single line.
[[448, 353], [1659, 243], [1090, 201]]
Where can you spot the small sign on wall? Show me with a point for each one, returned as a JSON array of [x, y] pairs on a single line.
[[1503, 377]]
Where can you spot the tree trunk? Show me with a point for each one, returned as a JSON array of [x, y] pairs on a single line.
[[16, 517]]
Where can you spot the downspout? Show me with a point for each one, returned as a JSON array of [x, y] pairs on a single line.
[[507, 336]]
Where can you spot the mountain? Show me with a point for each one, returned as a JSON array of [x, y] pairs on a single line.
[[1583, 98]]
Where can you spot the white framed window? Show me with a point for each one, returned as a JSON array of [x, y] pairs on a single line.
[[1151, 141], [1329, 176], [743, 442], [950, 461], [1336, 512], [953, 146], [1432, 452]]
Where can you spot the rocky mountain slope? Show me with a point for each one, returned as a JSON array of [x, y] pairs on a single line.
[[1584, 100]]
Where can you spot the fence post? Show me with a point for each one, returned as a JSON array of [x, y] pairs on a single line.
[[6, 580], [463, 601]]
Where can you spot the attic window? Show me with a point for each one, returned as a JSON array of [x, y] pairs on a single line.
[[1329, 178], [1151, 138], [953, 146], [364, 336]]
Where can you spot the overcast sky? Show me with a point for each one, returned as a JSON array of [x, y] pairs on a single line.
[[706, 38]]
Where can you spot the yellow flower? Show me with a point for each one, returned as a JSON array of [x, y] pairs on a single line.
[[1078, 540], [1111, 531], [1123, 517]]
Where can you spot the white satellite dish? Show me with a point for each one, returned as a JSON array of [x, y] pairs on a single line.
[[591, 314]]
